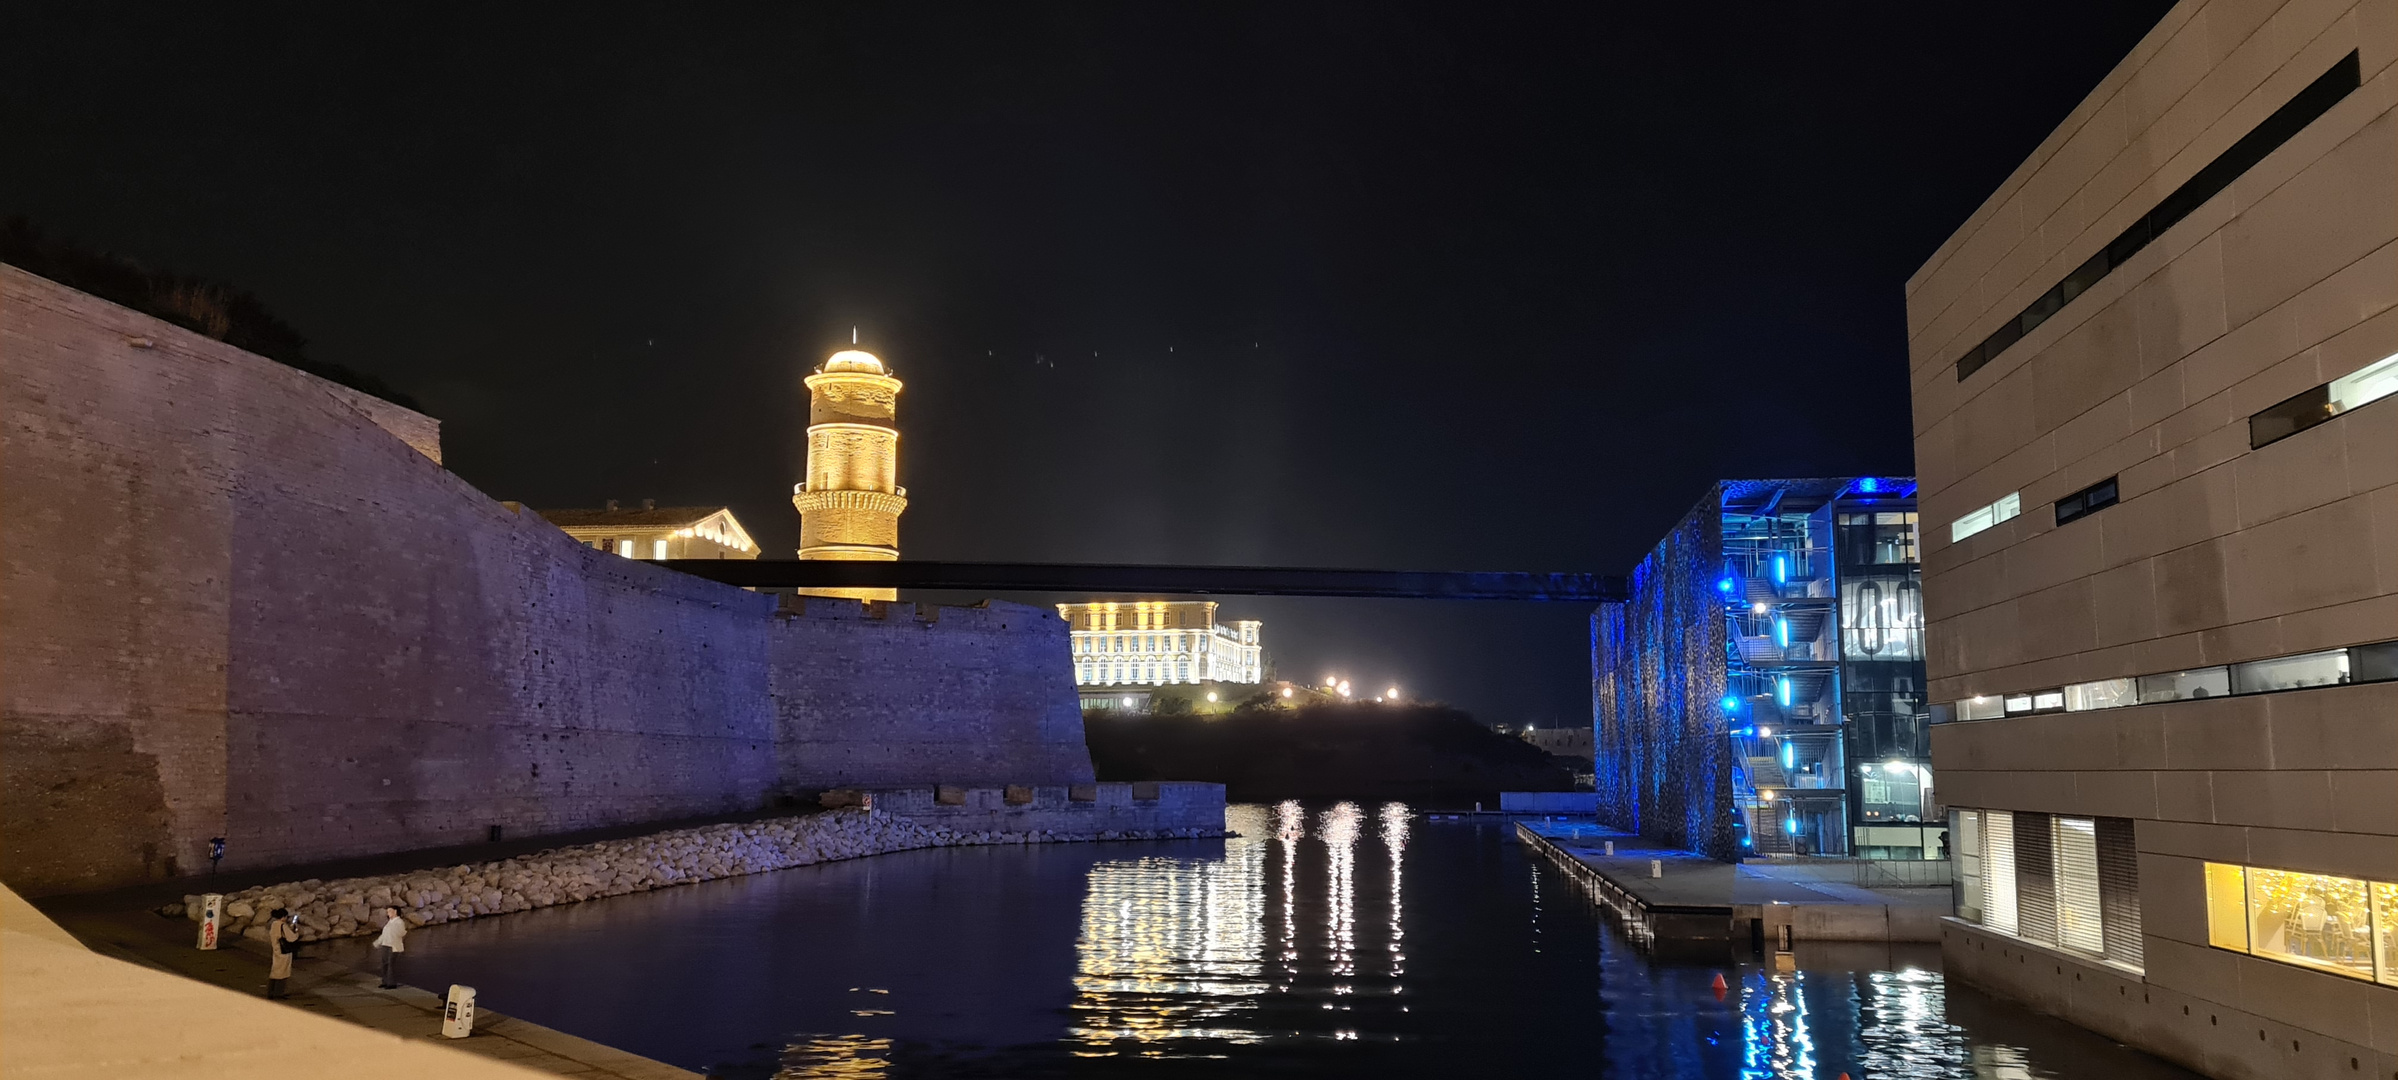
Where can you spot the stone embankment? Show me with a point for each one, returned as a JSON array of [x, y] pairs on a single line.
[[332, 909]]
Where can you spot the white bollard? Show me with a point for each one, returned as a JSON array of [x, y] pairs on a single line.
[[1610, 849], [458, 1016], [1656, 868], [212, 916]]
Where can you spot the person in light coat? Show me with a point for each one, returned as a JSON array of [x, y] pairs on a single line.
[[281, 938], [393, 941]]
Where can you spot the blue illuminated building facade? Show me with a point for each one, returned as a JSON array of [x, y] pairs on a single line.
[[1762, 693]]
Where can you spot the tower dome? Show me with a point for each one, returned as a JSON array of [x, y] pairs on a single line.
[[855, 360]]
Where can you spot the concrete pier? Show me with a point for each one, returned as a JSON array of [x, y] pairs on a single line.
[[1694, 898]]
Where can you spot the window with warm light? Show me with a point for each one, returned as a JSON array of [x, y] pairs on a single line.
[[2336, 924], [657, 549]]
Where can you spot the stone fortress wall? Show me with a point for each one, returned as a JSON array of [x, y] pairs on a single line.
[[237, 603]]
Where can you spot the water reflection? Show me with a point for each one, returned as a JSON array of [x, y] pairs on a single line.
[[1191, 948], [1326, 940], [1170, 948]]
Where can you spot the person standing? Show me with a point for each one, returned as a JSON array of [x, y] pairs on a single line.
[[282, 939], [393, 941]]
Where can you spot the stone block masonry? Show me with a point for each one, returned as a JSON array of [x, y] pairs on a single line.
[[236, 600], [877, 695], [343, 908]]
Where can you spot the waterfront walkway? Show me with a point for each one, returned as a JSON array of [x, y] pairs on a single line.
[[328, 980], [1697, 897]]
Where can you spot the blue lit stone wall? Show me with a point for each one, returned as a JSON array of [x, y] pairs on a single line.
[[1657, 674]]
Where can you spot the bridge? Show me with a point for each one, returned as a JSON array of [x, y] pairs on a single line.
[[1175, 580]]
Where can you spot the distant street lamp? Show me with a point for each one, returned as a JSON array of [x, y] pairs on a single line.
[[1392, 693], [1286, 691], [1211, 695]]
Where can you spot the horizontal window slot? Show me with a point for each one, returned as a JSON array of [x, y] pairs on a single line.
[[2087, 501], [2261, 141], [2375, 662]]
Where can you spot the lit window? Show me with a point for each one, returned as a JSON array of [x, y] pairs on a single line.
[[1984, 707], [1998, 870], [2291, 672], [657, 549], [2226, 907], [2185, 685], [2077, 884], [2385, 931], [2103, 694], [2313, 920], [2377, 380], [624, 548], [1985, 517]]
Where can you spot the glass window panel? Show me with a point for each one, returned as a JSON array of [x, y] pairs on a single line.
[[2186, 685], [2226, 907], [1969, 524], [2018, 703], [2291, 672], [2007, 507], [1968, 867], [1985, 707], [2375, 381], [2385, 930], [2077, 885], [2373, 663], [2103, 694], [2313, 920], [2047, 700], [1998, 870], [2289, 417]]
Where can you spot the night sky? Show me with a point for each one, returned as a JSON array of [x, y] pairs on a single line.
[[1422, 286]]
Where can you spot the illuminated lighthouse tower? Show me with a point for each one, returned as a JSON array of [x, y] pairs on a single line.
[[849, 507]]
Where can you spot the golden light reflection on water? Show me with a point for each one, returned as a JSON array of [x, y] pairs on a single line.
[[1194, 948], [836, 1057]]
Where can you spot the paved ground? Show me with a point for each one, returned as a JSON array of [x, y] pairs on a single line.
[[330, 983], [1692, 880]]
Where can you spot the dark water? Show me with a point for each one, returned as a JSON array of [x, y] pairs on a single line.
[[1340, 940]]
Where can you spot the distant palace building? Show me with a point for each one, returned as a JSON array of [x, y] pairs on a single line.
[[658, 532], [849, 506], [1161, 643]]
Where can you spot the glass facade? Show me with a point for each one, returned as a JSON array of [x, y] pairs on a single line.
[[1763, 691], [1827, 657]]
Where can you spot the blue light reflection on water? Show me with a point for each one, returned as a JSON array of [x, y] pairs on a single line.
[[1338, 939]]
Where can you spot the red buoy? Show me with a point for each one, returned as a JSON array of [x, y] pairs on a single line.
[[1719, 980]]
